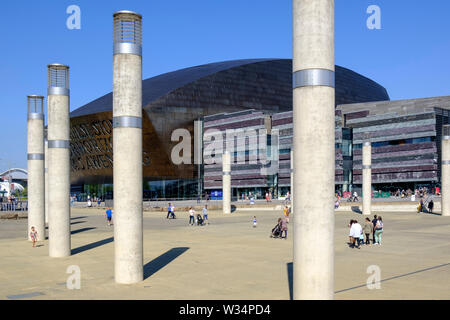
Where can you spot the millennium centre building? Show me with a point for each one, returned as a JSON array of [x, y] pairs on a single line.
[[256, 94]]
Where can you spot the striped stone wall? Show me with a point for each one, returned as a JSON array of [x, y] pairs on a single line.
[[405, 138]]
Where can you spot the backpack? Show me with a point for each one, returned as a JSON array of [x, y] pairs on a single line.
[[379, 225]]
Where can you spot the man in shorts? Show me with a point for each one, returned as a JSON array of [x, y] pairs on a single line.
[[109, 216]]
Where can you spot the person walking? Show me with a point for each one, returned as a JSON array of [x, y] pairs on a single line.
[[368, 230], [430, 206], [191, 216], [169, 211], [108, 214], [33, 236], [355, 232], [254, 222], [374, 223], [284, 228], [286, 213], [172, 212], [378, 231], [205, 214], [420, 207], [350, 238]]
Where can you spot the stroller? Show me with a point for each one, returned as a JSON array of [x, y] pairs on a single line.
[[199, 220], [276, 231]]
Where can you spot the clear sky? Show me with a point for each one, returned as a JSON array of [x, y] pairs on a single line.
[[409, 56]]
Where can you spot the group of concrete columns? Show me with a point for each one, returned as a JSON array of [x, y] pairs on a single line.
[[49, 156]]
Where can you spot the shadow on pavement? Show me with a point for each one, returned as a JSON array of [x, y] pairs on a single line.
[[77, 222], [75, 218], [356, 209], [92, 245], [290, 270], [160, 262], [81, 230]]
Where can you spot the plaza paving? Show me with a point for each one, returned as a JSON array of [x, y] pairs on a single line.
[[228, 259]]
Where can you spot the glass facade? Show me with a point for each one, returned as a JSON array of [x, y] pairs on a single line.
[[152, 190]]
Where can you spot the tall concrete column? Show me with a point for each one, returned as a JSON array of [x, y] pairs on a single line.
[[314, 154], [292, 180], [127, 147], [367, 177], [58, 161], [36, 183], [226, 182], [46, 176], [445, 171]]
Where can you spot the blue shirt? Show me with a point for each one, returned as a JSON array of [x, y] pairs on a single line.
[[108, 213]]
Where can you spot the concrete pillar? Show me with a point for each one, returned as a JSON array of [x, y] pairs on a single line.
[[445, 171], [292, 180], [127, 147], [226, 183], [36, 183], [367, 178], [58, 161], [313, 144], [46, 176]]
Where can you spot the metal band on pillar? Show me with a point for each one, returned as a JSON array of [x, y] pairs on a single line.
[[444, 162], [445, 137], [127, 122], [127, 33], [35, 156], [35, 116], [367, 167], [226, 173], [61, 144], [313, 77]]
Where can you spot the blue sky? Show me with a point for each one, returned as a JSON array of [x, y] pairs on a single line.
[[410, 55]]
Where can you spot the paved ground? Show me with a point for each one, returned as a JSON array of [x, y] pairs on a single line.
[[227, 259]]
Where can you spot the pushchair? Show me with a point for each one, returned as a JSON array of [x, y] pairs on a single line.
[[199, 220], [276, 231]]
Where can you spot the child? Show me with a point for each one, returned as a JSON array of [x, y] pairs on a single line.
[[33, 236], [108, 216], [361, 238], [254, 222]]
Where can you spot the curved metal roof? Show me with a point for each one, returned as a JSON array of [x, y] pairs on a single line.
[[161, 85], [156, 87]]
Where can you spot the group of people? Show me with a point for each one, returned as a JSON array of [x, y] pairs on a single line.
[[199, 219], [424, 206], [370, 229], [282, 225]]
